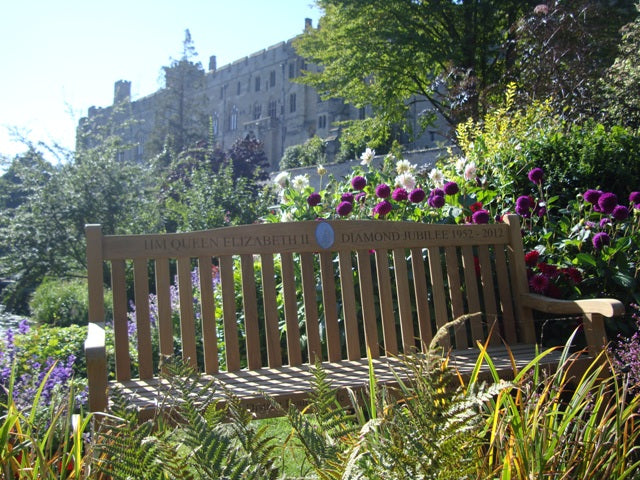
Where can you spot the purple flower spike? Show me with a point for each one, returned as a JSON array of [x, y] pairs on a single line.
[[634, 197], [344, 208], [524, 202], [382, 208], [481, 216], [313, 199], [592, 196], [360, 197], [451, 188], [383, 190], [600, 240], [620, 213], [400, 194], [359, 182], [607, 202], [417, 195], [536, 175]]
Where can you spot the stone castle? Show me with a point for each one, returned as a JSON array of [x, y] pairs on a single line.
[[254, 95]]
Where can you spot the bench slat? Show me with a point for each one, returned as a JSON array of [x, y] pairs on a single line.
[[232, 350], [439, 296], [208, 315], [473, 298], [488, 294], [120, 320], [455, 292], [187, 317], [314, 346], [386, 303], [143, 324], [270, 304], [506, 297], [368, 304], [421, 296], [163, 296], [250, 309], [352, 336], [404, 300], [291, 309], [334, 351]]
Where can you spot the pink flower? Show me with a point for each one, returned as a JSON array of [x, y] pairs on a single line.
[[382, 208], [314, 199], [481, 216], [417, 195], [400, 194], [536, 175], [531, 258], [383, 190]]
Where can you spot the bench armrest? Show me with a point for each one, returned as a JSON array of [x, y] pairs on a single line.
[[592, 311], [96, 355], [607, 307]]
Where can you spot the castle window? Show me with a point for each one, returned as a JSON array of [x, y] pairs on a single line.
[[292, 70], [239, 89], [140, 147], [215, 126], [272, 78], [273, 106], [233, 120], [257, 84], [322, 121], [257, 111], [292, 102], [361, 114]]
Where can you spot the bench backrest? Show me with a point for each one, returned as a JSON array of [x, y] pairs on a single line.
[[290, 293]]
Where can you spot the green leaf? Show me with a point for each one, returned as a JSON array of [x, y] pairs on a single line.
[[586, 259]]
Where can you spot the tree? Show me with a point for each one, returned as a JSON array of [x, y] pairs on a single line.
[[383, 54], [43, 235], [181, 119], [248, 159], [562, 49], [621, 84]]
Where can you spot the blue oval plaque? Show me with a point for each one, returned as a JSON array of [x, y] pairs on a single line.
[[324, 235]]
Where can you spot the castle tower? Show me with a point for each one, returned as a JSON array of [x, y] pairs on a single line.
[[121, 91]]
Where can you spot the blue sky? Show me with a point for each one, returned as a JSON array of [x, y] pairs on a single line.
[[61, 57]]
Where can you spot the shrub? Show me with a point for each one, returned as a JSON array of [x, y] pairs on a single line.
[[60, 303], [311, 152]]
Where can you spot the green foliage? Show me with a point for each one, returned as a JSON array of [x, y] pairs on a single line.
[[200, 446], [622, 80], [311, 152], [60, 303], [553, 425], [45, 342]]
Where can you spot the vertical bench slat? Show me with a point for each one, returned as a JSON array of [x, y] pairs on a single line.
[[163, 296], [349, 305], [473, 298], [208, 315], [524, 316], [232, 350], [386, 303], [488, 292], [187, 318], [506, 298], [250, 308], [368, 304], [120, 320], [439, 297], [455, 292], [314, 345], [404, 300], [143, 324], [291, 309], [274, 353], [422, 296], [334, 351]]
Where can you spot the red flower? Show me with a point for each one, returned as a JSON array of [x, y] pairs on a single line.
[[531, 258], [539, 283], [550, 271], [573, 274], [474, 207]]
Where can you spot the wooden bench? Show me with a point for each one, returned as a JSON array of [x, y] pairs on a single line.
[[314, 292]]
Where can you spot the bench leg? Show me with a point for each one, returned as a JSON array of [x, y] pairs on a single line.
[[595, 333]]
